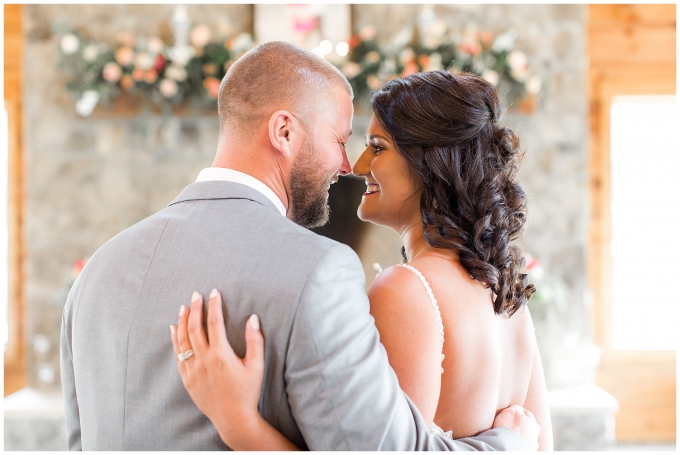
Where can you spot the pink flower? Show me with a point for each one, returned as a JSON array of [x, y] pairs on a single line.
[[367, 33], [471, 47], [304, 25], [79, 265], [112, 72], [351, 69], [159, 63], [168, 88]]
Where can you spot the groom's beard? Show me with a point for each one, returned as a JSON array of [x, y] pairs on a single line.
[[308, 188]]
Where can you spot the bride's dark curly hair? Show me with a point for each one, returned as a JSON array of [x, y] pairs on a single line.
[[446, 128]]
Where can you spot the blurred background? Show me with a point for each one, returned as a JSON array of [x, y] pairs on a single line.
[[109, 112]]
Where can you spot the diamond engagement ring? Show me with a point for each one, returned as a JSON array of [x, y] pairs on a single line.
[[185, 355]]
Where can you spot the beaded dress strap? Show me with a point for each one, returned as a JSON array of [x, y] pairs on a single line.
[[433, 301]]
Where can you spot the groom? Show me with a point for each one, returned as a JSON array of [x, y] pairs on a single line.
[[285, 116]]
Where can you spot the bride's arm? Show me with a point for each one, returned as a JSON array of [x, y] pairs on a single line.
[[225, 387], [537, 402], [409, 331]]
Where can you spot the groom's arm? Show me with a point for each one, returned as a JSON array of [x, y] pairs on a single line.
[[342, 391]]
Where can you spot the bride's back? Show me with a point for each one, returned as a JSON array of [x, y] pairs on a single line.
[[487, 357], [440, 170]]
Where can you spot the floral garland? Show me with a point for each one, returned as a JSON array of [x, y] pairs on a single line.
[[98, 72], [371, 65]]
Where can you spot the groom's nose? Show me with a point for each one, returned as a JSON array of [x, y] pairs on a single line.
[[345, 168]]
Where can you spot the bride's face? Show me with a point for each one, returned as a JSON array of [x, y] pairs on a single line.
[[391, 198]]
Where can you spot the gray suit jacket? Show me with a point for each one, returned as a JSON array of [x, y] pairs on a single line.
[[327, 384]]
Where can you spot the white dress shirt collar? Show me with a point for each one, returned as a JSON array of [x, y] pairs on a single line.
[[230, 175]]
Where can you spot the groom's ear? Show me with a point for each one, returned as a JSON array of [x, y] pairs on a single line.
[[286, 133]]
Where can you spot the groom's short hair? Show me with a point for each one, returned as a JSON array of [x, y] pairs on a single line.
[[272, 76]]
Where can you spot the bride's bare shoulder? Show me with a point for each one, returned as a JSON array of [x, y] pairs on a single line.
[[397, 295], [396, 283]]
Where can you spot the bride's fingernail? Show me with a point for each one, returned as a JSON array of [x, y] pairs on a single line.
[[182, 310], [195, 296], [213, 293], [255, 322], [172, 330]]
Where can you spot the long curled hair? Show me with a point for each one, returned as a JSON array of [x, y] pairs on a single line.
[[446, 128]]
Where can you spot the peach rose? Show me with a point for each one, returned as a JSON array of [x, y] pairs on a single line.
[[125, 56], [151, 76], [212, 85], [126, 82]]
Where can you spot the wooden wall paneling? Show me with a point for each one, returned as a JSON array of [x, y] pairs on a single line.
[[632, 52], [15, 371], [658, 15]]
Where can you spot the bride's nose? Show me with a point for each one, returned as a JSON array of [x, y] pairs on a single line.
[[363, 165]]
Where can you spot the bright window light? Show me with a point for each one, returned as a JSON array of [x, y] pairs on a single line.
[[645, 215]]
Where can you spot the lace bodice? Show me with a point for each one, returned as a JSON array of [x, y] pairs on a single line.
[[433, 301]]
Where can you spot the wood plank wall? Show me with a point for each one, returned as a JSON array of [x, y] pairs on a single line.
[[632, 51], [15, 376]]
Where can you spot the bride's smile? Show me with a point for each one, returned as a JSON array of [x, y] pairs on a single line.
[[391, 198]]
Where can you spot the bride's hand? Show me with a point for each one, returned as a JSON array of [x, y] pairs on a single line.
[[224, 387]]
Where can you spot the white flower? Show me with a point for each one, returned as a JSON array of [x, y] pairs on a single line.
[[390, 65], [112, 72], [200, 35], [435, 62], [155, 45], [168, 88], [533, 85], [86, 104], [432, 41], [175, 72], [437, 27], [69, 44], [517, 60], [242, 42], [491, 77], [90, 52], [504, 42], [144, 61], [406, 55], [182, 54], [402, 38]]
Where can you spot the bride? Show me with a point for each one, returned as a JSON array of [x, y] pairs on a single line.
[[440, 171]]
